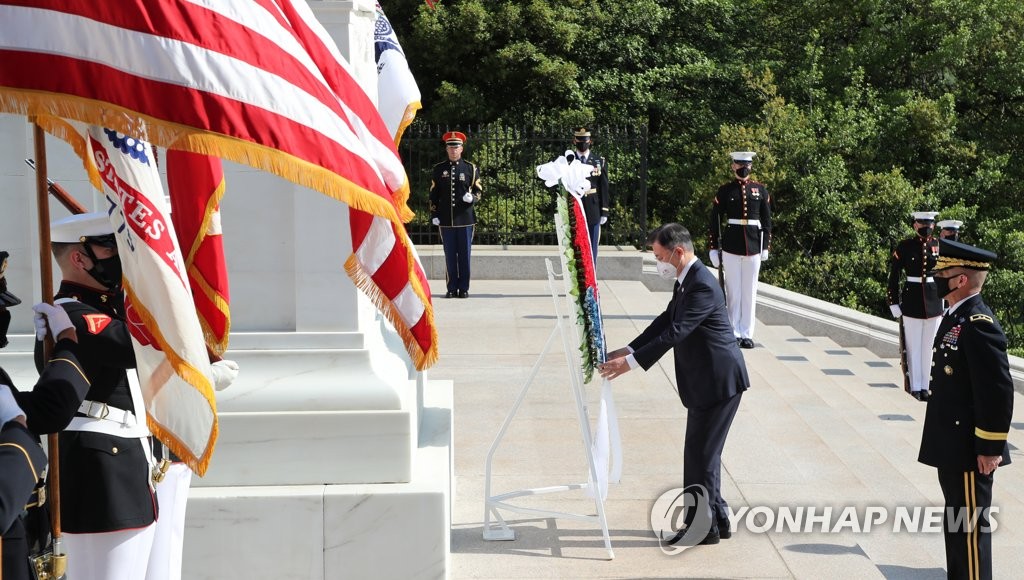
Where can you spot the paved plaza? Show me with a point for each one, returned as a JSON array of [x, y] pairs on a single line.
[[822, 426]]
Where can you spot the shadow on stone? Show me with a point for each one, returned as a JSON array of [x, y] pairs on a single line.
[[826, 549], [891, 572], [543, 538]]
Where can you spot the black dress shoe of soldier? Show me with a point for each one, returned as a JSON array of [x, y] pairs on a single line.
[[447, 294], [463, 294], [713, 537], [920, 396], [746, 343], [724, 531]]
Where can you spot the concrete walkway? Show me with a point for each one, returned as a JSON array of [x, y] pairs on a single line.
[[822, 426]]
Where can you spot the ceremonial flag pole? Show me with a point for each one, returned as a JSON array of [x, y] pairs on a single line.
[[46, 285]]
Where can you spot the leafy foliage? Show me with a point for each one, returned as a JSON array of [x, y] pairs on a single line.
[[861, 112]]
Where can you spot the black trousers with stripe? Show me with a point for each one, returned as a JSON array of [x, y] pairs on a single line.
[[968, 543]]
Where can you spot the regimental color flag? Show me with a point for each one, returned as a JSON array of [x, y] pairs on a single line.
[[171, 358], [398, 97]]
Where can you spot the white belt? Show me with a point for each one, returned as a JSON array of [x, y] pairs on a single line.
[[104, 411], [918, 279], [745, 223]]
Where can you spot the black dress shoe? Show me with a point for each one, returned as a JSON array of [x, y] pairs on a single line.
[[746, 343], [724, 531], [713, 537], [447, 294], [463, 294], [920, 396]]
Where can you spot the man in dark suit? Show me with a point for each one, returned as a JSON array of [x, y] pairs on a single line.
[[970, 408], [596, 200], [711, 374], [454, 190]]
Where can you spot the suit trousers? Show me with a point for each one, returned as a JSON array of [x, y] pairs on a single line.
[[919, 334], [457, 243], [968, 548], [741, 290], [109, 555], [706, 430]]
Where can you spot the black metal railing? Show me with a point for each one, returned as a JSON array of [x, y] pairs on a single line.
[[516, 207]]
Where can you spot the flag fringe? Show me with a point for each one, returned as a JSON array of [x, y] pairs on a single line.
[[421, 359], [218, 344], [190, 375], [407, 118], [172, 135]]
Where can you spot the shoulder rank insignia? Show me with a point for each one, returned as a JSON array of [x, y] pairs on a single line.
[[984, 317]]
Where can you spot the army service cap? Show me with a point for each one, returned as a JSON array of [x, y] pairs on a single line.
[[743, 156], [454, 138], [958, 254], [6, 298], [94, 228], [924, 216]]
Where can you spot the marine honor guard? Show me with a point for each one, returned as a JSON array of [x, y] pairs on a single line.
[[950, 229], [596, 199], [108, 506], [454, 191], [745, 206], [918, 307], [970, 408]]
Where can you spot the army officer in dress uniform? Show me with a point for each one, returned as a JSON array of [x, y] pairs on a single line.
[[918, 307], [454, 190], [746, 207], [596, 200], [970, 408]]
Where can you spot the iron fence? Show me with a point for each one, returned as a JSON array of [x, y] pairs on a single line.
[[516, 207]]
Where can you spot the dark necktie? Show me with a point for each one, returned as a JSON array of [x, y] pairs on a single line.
[[675, 287]]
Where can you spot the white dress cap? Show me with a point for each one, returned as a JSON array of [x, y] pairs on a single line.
[[950, 224], [73, 229], [743, 156], [924, 216]]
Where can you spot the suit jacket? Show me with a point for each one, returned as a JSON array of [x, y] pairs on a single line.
[[597, 199], [971, 405], [916, 256], [741, 201], [695, 325], [449, 183]]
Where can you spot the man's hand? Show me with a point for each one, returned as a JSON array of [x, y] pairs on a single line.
[[618, 353], [436, 221], [604, 219], [9, 409], [715, 261], [224, 373], [54, 319], [614, 368], [896, 312], [988, 463], [468, 198]]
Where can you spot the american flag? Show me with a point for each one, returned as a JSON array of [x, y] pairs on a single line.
[[258, 82]]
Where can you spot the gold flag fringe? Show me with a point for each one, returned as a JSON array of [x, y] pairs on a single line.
[[192, 376]]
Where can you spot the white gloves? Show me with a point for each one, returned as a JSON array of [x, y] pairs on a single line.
[[604, 219], [764, 255], [435, 221], [9, 408], [896, 312], [224, 373], [49, 315], [714, 254], [468, 198]]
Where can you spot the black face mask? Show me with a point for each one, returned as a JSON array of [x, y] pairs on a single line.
[[5, 323], [583, 145], [743, 171], [942, 285], [924, 232], [106, 271]]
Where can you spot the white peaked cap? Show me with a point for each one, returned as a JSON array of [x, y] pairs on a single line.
[[924, 216], [950, 224], [74, 229], [743, 156]]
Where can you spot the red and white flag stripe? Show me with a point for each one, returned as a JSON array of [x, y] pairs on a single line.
[[258, 82]]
